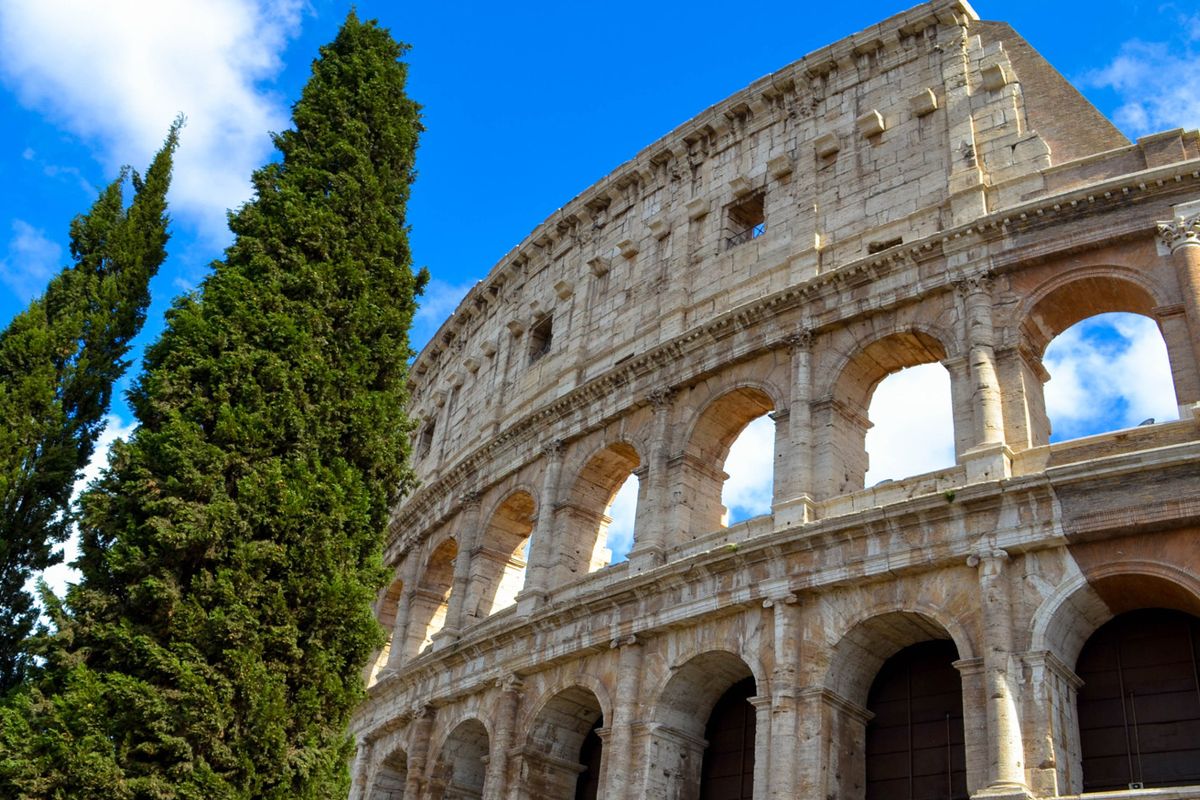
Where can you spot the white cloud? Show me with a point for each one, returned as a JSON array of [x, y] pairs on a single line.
[[622, 512], [912, 424], [117, 73], [1155, 81], [1108, 372], [58, 576], [438, 302], [750, 466], [32, 259]]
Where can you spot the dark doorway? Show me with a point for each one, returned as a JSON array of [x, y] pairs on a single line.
[[914, 746], [728, 770], [1139, 707], [588, 783]]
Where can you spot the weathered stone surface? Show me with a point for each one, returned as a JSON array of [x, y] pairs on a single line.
[[777, 254]]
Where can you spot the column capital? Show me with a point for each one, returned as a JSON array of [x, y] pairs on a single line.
[[990, 560], [1179, 232], [978, 284], [554, 449], [660, 398], [801, 340], [470, 498], [624, 641], [510, 683]]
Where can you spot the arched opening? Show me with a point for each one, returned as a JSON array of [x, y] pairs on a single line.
[[593, 533], [1139, 706], [703, 473], [915, 740], [390, 777], [912, 424], [750, 465], [842, 420], [703, 746], [728, 769], [1108, 359], [1107, 372], [431, 598], [563, 755], [498, 564], [462, 763], [385, 612]]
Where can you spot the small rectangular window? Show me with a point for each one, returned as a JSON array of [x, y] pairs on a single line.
[[540, 337], [425, 444], [746, 220]]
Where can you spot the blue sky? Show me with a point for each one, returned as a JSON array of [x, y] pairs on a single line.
[[525, 105]]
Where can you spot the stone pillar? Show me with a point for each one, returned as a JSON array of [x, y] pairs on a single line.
[[1180, 238], [418, 753], [764, 750], [359, 770], [623, 783], [989, 458], [541, 549], [649, 551], [468, 538], [784, 709], [1006, 757], [408, 580], [495, 781], [1052, 725], [793, 502]]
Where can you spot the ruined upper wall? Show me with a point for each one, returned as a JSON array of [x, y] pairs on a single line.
[[910, 128]]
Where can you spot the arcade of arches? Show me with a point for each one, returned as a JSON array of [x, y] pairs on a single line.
[[1018, 620]]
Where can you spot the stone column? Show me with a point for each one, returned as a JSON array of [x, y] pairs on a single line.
[[418, 753], [359, 770], [649, 551], [468, 539], [408, 579], [623, 783], [495, 781], [764, 750], [989, 458], [1180, 238], [793, 501], [541, 549], [1006, 757], [784, 717]]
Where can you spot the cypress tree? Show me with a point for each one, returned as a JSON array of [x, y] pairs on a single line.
[[232, 552], [58, 361]]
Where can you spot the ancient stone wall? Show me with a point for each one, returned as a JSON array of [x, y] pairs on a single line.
[[883, 203]]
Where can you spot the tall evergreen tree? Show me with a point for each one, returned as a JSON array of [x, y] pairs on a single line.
[[215, 646], [58, 362]]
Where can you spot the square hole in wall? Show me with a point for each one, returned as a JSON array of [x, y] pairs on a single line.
[[746, 220], [540, 337]]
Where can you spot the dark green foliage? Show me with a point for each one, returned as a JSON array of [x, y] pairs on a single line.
[[58, 361], [231, 555]]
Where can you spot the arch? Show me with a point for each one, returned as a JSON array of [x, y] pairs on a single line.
[[713, 430], [682, 714], [390, 777], [1066, 618], [498, 563], [877, 636], [562, 750], [585, 521], [840, 413], [430, 600], [1068, 298], [1139, 703], [385, 611], [462, 762]]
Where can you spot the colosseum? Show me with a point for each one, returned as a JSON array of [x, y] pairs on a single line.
[[1024, 622]]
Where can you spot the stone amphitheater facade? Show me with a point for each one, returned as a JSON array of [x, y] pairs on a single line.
[[927, 191]]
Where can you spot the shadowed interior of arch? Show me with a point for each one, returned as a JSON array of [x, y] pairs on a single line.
[[1107, 372], [709, 456], [498, 564], [391, 777], [598, 518], [462, 761], [567, 748], [430, 600]]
